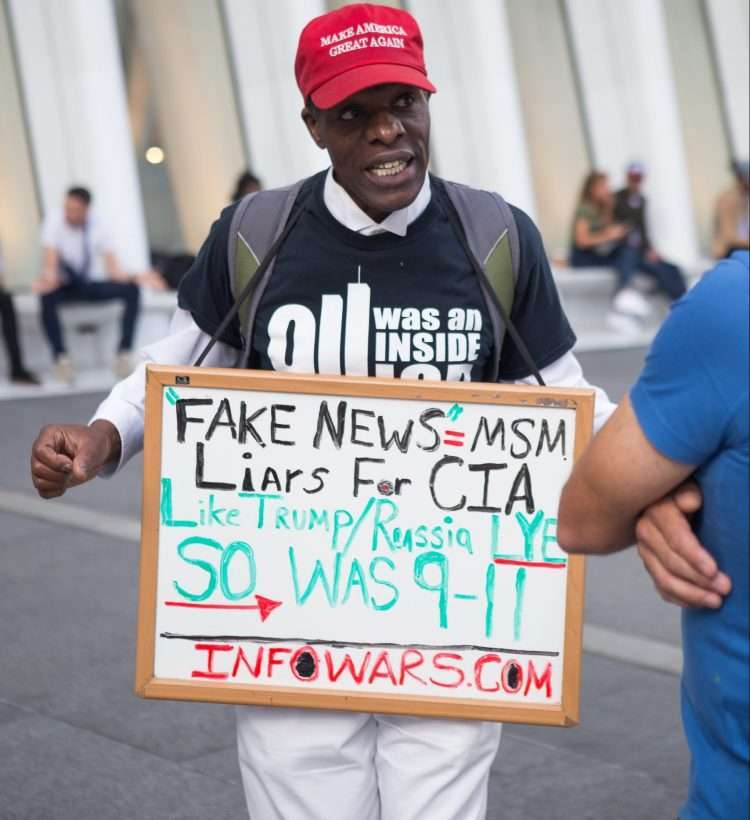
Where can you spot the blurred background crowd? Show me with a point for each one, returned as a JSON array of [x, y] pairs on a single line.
[[621, 127]]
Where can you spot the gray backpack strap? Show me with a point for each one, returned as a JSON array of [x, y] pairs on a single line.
[[485, 226], [492, 235], [256, 223]]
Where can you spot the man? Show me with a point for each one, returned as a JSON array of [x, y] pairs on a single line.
[[630, 208], [370, 229], [17, 374], [73, 242], [687, 415], [732, 216]]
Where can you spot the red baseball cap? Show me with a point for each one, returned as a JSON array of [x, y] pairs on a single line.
[[357, 47]]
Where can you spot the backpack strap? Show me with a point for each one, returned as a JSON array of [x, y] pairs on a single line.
[[257, 222], [492, 235], [259, 226], [486, 228]]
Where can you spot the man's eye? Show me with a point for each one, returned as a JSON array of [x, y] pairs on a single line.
[[405, 101], [348, 114]]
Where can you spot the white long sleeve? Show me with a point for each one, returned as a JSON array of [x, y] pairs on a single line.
[[567, 372], [124, 407]]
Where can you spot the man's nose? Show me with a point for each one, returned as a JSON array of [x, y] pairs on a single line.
[[384, 127]]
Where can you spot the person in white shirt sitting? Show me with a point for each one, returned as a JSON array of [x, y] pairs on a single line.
[[75, 246]]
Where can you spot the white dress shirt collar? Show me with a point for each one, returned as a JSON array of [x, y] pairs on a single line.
[[344, 210]]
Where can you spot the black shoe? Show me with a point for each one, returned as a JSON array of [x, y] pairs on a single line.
[[24, 377]]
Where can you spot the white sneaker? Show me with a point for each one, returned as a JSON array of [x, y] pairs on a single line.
[[64, 370], [122, 366], [631, 303], [622, 323]]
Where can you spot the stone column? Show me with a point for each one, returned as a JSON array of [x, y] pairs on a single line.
[[189, 74], [19, 209], [729, 30], [630, 104], [73, 89], [477, 127], [263, 38]]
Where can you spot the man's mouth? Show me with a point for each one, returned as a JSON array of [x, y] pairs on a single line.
[[389, 169]]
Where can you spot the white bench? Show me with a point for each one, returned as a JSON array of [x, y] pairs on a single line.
[[586, 294], [91, 330]]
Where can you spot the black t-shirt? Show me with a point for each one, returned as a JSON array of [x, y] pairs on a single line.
[[342, 303]]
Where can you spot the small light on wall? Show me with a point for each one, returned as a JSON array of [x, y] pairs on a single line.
[[154, 155]]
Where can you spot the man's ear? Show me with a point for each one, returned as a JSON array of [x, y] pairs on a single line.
[[313, 126]]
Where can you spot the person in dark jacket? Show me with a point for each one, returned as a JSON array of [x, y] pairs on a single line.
[[17, 371], [630, 208], [599, 240]]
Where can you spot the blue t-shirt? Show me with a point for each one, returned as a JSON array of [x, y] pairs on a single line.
[[691, 401]]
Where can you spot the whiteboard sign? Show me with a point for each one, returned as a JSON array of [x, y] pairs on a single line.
[[361, 544]]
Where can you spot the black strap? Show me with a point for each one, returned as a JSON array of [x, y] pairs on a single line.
[[247, 290], [482, 276]]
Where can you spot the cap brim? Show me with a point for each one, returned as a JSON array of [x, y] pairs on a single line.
[[335, 91]]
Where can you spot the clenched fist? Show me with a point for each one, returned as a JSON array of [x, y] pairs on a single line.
[[70, 454]]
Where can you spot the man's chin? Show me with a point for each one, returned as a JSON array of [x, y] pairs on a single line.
[[383, 199]]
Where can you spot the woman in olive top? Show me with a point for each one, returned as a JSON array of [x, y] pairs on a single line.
[[599, 241]]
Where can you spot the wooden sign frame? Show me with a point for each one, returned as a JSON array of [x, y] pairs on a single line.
[[159, 377]]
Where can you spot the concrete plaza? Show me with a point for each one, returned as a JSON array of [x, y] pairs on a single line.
[[76, 743]]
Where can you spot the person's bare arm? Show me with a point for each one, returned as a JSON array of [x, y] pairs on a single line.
[[49, 278], [66, 455], [113, 269], [618, 476], [586, 238], [622, 491]]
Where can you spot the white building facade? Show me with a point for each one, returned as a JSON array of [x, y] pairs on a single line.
[[532, 94]]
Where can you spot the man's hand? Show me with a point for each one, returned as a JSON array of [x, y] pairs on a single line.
[[46, 283], [683, 572], [653, 256], [151, 278], [616, 232], [66, 455]]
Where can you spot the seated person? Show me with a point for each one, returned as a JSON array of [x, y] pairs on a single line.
[[17, 372], [630, 209], [73, 243], [167, 269], [732, 215], [599, 241]]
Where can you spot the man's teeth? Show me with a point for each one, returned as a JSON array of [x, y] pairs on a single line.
[[388, 169]]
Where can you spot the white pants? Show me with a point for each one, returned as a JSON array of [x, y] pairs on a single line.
[[304, 764]]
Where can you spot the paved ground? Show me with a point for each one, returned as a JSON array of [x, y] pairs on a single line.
[[75, 743]]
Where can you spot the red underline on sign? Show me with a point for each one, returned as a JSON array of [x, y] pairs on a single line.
[[453, 443], [455, 433], [544, 564], [191, 605]]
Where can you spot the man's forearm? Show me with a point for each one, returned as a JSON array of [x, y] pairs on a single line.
[[112, 266], [618, 476], [587, 523]]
